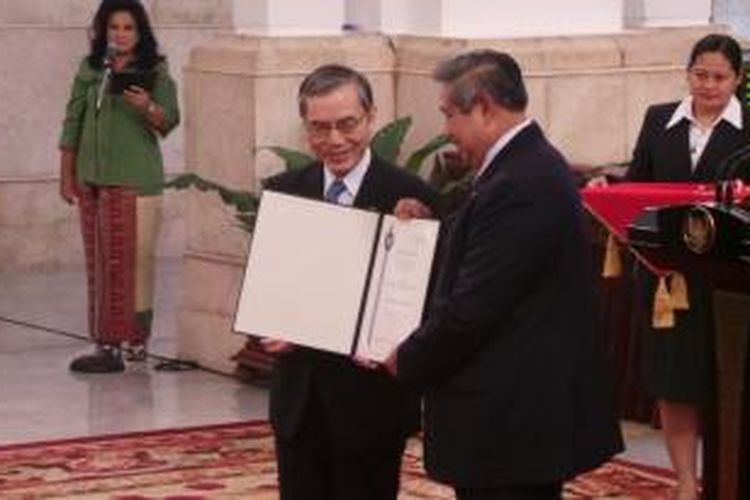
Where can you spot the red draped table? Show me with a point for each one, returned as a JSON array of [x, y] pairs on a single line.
[[726, 457]]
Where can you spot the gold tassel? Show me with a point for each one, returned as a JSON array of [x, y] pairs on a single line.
[[612, 261], [679, 292], [663, 316]]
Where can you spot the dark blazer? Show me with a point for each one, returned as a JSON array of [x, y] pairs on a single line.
[[516, 388], [362, 408], [663, 155]]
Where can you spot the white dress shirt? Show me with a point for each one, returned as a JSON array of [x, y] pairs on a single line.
[[699, 135], [352, 180], [500, 144]]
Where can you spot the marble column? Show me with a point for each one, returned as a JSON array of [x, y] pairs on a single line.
[[667, 13], [288, 17], [735, 14], [482, 19]]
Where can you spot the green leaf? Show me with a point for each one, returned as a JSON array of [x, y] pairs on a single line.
[[414, 163], [182, 181], [454, 193], [386, 143], [242, 201], [457, 185], [293, 159]]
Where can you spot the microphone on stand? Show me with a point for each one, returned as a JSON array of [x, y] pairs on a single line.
[[109, 56], [736, 165], [730, 176]]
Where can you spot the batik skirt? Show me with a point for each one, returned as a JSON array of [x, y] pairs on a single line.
[[120, 231]]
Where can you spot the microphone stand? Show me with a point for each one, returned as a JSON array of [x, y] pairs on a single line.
[[105, 79]]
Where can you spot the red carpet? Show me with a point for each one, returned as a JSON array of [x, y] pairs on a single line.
[[228, 461]]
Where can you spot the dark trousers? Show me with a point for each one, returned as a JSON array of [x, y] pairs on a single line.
[[544, 491], [312, 466]]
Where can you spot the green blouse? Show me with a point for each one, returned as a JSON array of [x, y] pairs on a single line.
[[116, 146]]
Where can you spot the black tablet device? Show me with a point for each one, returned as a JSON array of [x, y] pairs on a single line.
[[122, 80]]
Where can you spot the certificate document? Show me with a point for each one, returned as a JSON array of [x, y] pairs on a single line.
[[398, 285], [335, 278]]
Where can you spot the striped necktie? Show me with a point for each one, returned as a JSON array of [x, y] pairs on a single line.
[[334, 191]]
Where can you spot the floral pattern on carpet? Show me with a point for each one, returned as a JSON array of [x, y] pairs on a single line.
[[231, 461]]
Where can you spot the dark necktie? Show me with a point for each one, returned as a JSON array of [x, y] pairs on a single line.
[[334, 191]]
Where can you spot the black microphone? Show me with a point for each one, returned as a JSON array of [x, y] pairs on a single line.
[[109, 54]]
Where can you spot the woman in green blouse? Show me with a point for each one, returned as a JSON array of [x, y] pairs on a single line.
[[121, 102]]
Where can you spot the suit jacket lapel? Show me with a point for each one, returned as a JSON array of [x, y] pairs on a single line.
[[312, 187], [677, 149], [451, 242], [722, 142], [529, 134], [369, 190]]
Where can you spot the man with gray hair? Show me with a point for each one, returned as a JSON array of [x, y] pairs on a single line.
[[517, 399], [340, 427]]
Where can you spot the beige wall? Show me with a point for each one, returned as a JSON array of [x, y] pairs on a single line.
[[42, 42], [589, 93]]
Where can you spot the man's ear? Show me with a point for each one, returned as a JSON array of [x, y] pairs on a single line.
[[486, 107]]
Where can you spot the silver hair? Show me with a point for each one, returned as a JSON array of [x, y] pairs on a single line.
[[330, 77], [483, 72]]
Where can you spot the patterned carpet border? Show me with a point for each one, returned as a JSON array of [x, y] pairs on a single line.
[[129, 435], [231, 461]]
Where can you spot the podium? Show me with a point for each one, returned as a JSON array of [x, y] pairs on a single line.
[[713, 239], [701, 228]]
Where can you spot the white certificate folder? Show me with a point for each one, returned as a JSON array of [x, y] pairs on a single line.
[[335, 278]]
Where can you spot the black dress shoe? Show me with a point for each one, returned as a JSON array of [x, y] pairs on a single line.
[[106, 359]]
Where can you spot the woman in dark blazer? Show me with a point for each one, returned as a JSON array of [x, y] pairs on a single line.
[[688, 141]]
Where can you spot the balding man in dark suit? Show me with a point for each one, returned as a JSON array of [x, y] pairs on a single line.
[[517, 399]]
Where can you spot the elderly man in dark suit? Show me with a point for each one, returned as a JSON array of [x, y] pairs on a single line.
[[340, 427], [517, 399]]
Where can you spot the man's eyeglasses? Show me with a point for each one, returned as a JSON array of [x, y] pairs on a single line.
[[344, 126]]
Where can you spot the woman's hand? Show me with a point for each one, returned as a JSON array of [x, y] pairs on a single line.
[[141, 100], [69, 190], [138, 98]]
